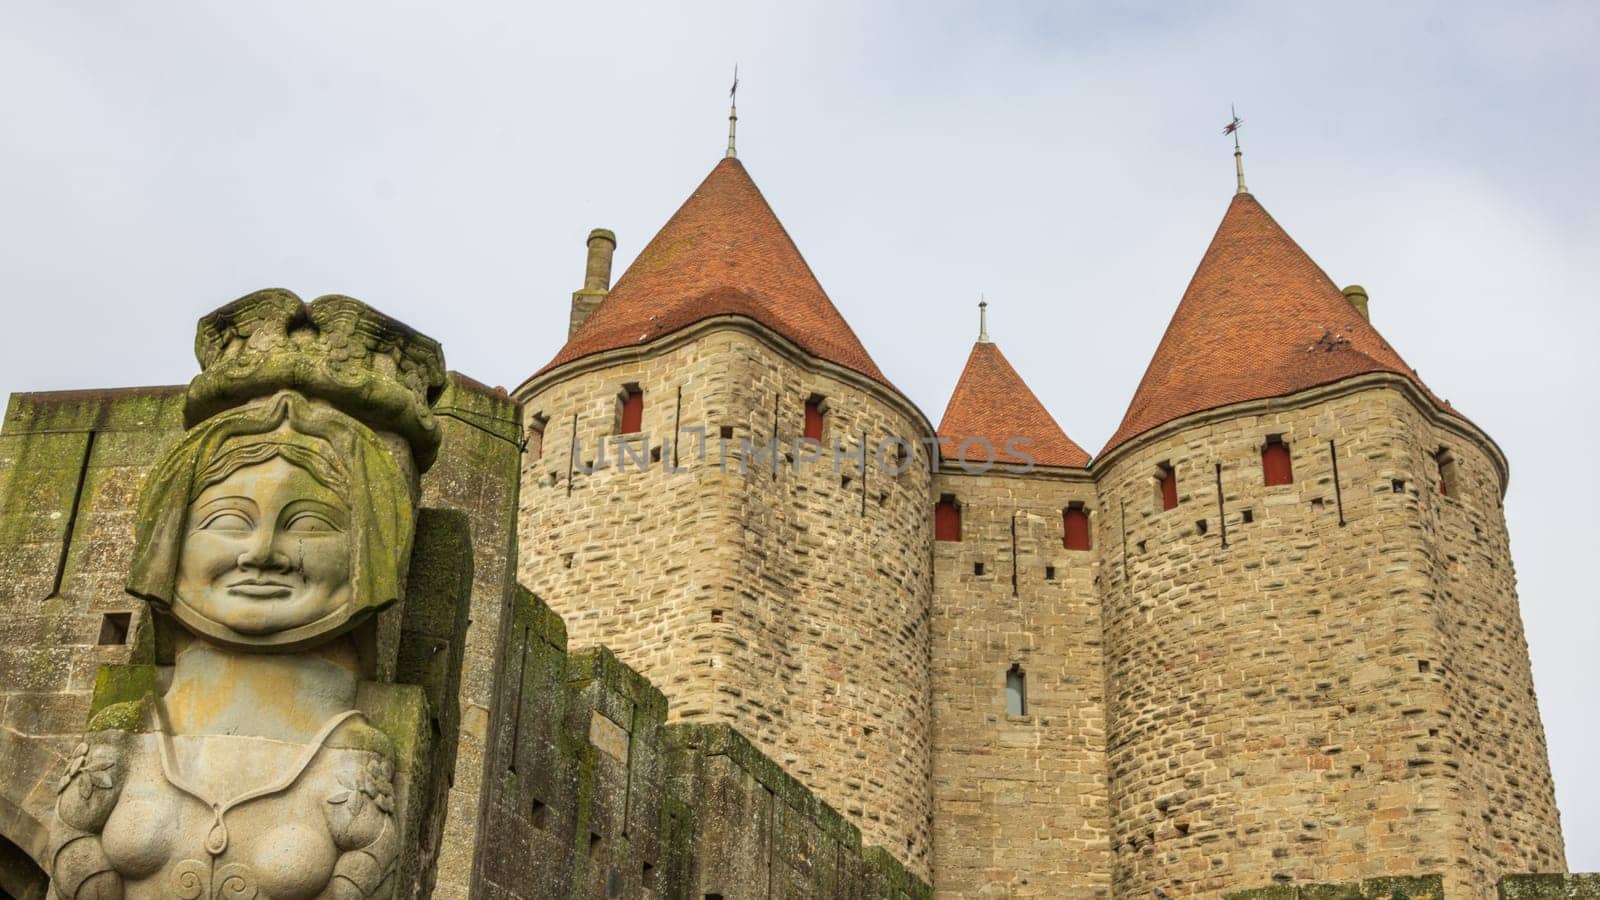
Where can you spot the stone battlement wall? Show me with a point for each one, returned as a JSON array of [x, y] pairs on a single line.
[[1431, 887], [592, 794]]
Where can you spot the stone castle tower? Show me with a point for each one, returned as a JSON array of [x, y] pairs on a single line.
[[1270, 633], [780, 595]]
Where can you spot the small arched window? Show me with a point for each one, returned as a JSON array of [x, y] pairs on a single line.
[[1166, 487], [1016, 691], [631, 419], [947, 520], [1075, 527], [1277, 467], [814, 414]]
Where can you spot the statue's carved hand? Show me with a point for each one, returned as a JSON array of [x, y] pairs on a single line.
[[358, 812], [81, 870], [88, 789], [361, 818]]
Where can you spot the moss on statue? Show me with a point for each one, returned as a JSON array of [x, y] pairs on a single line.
[[123, 698]]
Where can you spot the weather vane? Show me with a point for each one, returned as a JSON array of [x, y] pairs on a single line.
[[983, 319], [733, 112], [1238, 155]]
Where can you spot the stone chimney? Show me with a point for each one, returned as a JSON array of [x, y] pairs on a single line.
[[1355, 293], [596, 278]]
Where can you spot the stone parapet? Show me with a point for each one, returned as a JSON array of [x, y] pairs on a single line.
[[1421, 887], [595, 795]]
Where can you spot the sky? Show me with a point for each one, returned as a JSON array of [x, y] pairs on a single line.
[[445, 163]]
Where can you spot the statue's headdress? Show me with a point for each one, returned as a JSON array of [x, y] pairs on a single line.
[[337, 349], [313, 383]]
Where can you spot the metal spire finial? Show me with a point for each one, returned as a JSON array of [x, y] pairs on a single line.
[[1238, 155], [733, 113], [983, 320]]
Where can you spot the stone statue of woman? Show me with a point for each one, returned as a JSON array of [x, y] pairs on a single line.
[[269, 535]]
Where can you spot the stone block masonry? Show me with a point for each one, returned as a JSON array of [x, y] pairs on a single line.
[[1020, 804], [790, 601], [71, 465], [593, 794], [1320, 680], [1430, 887]]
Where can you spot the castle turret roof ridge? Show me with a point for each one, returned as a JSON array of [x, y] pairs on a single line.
[[1259, 319], [724, 252], [992, 403]]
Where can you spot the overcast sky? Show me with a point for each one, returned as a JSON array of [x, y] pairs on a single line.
[[445, 164]]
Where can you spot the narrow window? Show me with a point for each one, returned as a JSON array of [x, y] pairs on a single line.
[[814, 413], [1016, 691], [1276, 465], [1075, 527], [977, 568], [1166, 487], [1447, 471], [947, 520], [631, 420], [1049, 573], [535, 445]]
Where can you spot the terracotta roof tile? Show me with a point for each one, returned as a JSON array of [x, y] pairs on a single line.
[[993, 403], [723, 252], [1259, 319]]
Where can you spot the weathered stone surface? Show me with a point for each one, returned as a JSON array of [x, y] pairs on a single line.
[[1574, 886], [476, 473], [1324, 680], [685, 811], [334, 348], [792, 604], [1020, 801]]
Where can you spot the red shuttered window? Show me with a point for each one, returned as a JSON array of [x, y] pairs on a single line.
[[1169, 488], [632, 412], [814, 419], [947, 520], [1276, 465], [1075, 528]]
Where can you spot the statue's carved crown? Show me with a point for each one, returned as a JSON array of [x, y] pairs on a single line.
[[338, 349]]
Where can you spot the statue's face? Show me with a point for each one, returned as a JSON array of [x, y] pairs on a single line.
[[267, 549]]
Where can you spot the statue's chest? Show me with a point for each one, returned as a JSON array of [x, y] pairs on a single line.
[[168, 842]]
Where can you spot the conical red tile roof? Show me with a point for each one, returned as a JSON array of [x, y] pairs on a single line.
[[723, 252], [1259, 320], [992, 403]]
